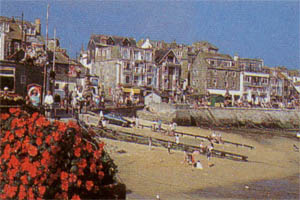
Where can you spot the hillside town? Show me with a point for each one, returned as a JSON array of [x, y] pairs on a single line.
[[119, 70]]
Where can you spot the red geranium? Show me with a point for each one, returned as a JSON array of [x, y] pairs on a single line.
[[42, 190], [20, 132], [24, 179], [4, 116], [75, 197], [32, 150], [64, 176], [64, 185], [89, 185], [77, 152], [22, 192], [72, 178], [15, 111]]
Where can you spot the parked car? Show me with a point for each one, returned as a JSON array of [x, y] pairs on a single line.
[[116, 119]]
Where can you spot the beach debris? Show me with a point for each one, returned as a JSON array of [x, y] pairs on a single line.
[[298, 135], [199, 165], [121, 151], [296, 148], [246, 187], [157, 197]]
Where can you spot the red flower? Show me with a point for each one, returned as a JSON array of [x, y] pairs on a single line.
[[11, 137], [89, 147], [17, 146], [32, 171], [55, 149], [77, 152], [15, 111], [4, 116], [14, 162], [101, 145], [42, 190], [30, 194], [72, 178], [35, 115], [75, 197], [22, 192], [82, 164], [78, 183], [61, 127], [24, 179], [32, 150], [64, 176], [77, 140], [56, 136], [7, 151], [20, 132], [72, 124], [93, 168], [10, 191], [65, 185], [39, 141], [100, 175], [48, 139], [89, 185]]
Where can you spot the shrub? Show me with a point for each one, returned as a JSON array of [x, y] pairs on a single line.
[[44, 160]]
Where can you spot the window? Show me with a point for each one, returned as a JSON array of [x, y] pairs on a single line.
[[108, 54], [126, 54], [149, 81], [23, 79], [127, 79], [148, 56], [215, 83], [7, 77]]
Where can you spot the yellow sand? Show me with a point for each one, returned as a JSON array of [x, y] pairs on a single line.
[[150, 172]]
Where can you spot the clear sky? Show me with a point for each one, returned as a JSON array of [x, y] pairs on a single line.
[[252, 29]]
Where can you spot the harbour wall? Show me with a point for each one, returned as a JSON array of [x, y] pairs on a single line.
[[223, 117]]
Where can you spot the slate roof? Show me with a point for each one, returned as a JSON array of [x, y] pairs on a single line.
[[216, 56], [118, 40]]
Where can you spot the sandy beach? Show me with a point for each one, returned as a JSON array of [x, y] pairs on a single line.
[[272, 170]]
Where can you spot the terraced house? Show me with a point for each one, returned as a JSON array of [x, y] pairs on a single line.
[[215, 73], [119, 62]]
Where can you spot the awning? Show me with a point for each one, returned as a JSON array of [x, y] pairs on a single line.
[[134, 90]]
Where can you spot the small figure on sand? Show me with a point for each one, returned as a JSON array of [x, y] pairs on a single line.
[[150, 143], [169, 147], [177, 139]]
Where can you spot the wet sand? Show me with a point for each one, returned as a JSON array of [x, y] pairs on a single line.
[[272, 170]]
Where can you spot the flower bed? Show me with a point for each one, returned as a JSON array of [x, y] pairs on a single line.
[[43, 160]]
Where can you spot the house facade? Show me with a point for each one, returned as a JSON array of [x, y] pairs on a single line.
[[119, 62]]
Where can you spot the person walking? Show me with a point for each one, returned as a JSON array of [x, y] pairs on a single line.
[[48, 102], [169, 147], [150, 143], [177, 139]]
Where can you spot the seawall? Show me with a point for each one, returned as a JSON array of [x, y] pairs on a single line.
[[224, 117]]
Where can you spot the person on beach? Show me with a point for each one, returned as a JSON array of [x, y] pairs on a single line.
[[159, 125], [48, 102], [137, 122], [150, 143], [209, 151], [169, 147], [177, 139]]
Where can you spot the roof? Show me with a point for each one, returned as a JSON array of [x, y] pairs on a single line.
[[60, 57], [206, 44], [216, 56], [118, 40], [297, 83], [159, 54]]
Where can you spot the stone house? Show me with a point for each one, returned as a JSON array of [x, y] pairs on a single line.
[[169, 70], [18, 34], [215, 74], [152, 97], [119, 62]]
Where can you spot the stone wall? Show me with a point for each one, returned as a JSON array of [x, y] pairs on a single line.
[[224, 117]]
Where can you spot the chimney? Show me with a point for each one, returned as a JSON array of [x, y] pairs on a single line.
[[38, 26], [236, 57]]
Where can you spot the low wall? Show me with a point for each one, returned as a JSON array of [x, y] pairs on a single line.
[[225, 117]]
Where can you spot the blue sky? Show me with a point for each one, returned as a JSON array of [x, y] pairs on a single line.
[[252, 29]]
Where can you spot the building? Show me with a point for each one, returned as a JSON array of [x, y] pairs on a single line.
[[19, 34], [215, 74], [169, 70], [255, 85], [119, 62]]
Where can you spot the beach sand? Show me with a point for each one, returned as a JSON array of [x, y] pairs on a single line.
[[272, 170]]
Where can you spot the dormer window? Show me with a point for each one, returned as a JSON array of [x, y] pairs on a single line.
[[110, 41], [126, 42]]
